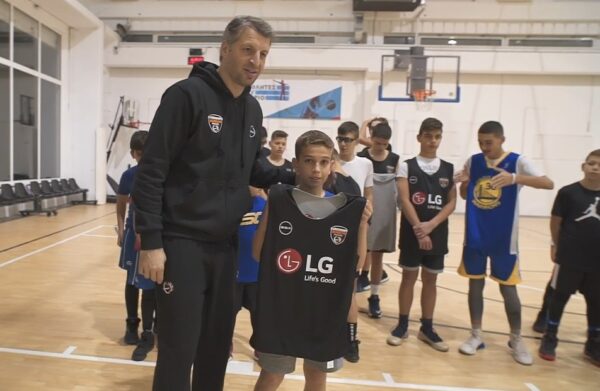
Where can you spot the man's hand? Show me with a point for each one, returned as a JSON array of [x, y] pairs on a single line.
[[152, 264], [553, 252], [423, 229], [502, 179], [425, 243]]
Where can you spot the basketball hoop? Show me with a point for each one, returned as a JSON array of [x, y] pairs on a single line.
[[423, 99]]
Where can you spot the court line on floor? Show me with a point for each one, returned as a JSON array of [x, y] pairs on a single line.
[[39, 250], [55, 232], [533, 288], [246, 368]]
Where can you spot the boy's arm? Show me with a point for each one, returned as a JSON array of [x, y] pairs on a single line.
[[505, 178], [527, 175], [362, 235], [538, 182], [462, 177], [369, 195], [259, 235], [363, 137], [121, 210], [408, 209], [555, 222]]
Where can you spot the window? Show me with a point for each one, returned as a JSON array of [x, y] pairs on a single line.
[[25, 39], [50, 131], [30, 97], [50, 53], [4, 29], [4, 124], [25, 138]]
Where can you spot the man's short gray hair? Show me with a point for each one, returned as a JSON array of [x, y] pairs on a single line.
[[238, 24]]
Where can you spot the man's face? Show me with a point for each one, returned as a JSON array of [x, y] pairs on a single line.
[[346, 144], [244, 60], [430, 140], [490, 145], [277, 146], [313, 167], [591, 168]]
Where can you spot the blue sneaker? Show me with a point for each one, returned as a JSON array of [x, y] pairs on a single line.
[[374, 309]]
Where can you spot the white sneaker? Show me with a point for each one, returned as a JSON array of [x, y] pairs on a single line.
[[472, 345], [519, 350]]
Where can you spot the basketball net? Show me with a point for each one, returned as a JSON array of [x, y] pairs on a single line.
[[424, 99]]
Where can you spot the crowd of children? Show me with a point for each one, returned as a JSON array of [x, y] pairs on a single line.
[[304, 248]]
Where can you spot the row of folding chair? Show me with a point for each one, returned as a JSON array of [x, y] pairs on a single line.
[[37, 191]]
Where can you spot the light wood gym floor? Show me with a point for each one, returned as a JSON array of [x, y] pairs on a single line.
[[62, 320]]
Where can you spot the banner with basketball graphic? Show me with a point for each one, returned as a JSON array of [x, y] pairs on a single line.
[[299, 99]]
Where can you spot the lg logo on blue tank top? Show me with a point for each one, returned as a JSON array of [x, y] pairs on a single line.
[[290, 261]]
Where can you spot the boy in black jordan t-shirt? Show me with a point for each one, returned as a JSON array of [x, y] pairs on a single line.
[[575, 230], [428, 196], [310, 244]]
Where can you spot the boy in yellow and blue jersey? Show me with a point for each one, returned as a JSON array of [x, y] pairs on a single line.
[[491, 181]]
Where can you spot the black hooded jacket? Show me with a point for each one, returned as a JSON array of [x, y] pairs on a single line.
[[200, 156]]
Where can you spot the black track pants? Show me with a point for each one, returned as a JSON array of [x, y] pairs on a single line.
[[195, 308]]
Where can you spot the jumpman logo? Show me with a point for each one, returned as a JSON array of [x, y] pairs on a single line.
[[591, 211]]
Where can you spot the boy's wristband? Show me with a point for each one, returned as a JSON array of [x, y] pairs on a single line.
[[514, 178]]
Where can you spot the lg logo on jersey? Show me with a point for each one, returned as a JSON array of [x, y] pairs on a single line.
[[290, 261], [433, 201]]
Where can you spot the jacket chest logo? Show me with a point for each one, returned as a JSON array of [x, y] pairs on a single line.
[[252, 131], [215, 123]]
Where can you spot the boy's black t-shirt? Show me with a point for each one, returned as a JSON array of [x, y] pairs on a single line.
[[578, 244], [344, 184], [428, 195], [286, 166], [387, 166], [306, 279]]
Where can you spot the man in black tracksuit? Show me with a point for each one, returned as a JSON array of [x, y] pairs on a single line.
[[190, 193]]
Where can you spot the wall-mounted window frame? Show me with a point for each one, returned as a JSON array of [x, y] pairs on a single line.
[[22, 131]]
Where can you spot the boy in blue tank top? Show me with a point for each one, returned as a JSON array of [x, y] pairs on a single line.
[[491, 181], [128, 240], [247, 273]]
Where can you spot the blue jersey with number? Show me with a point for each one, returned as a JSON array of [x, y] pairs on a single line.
[[247, 265], [491, 214]]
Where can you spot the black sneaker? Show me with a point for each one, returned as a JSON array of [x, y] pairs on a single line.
[[363, 283], [144, 347], [398, 335], [384, 277], [131, 331], [539, 326], [547, 349], [430, 337], [374, 309], [352, 355], [592, 350]]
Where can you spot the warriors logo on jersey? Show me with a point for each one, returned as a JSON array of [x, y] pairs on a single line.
[[485, 196]]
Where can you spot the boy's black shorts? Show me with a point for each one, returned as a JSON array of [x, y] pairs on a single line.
[[568, 281], [245, 296], [412, 261]]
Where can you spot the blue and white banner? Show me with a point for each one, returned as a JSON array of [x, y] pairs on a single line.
[[299, 99]]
